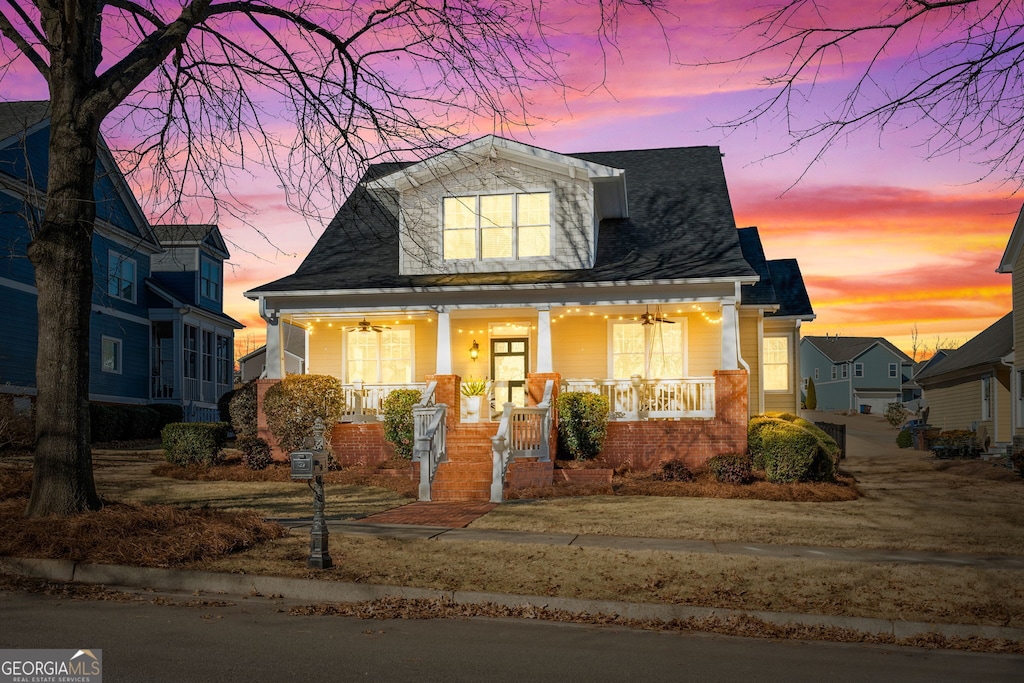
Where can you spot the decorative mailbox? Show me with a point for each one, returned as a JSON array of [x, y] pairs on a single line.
[[308, 464]]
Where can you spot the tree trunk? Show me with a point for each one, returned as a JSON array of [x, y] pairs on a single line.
[[61, 252]]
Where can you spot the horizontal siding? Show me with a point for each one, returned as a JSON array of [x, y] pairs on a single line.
[[18, 350], [750, 351], [132, 382], [955, 407], [580, 347], [785, 401]]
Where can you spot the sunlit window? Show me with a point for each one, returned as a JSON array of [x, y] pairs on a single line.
[[380, 357], [776, 364], [498, 226], [651, 351]]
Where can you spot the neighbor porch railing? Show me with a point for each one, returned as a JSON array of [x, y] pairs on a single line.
[[652, 399], [429, 438], [522, 432], [365, 402]]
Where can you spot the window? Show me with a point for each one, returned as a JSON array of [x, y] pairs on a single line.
[[816, 377], [858, 369], [120, 276], [207, 356], [111, 355], [986, 398], [893, 370], [209, 279], [835, 372], [846, 370], [191, 352], [652, 351], [224, 364], [380, 358], [509, 226], [776, 363]]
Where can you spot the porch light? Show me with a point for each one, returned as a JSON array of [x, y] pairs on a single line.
[[474, 350]]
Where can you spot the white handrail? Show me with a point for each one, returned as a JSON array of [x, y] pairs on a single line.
[[429, 443], [522, 432], [652, 399]]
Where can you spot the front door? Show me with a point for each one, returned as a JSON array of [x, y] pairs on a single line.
[[509, 358]]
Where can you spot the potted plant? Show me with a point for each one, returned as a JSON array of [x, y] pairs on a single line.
[[473, 390]]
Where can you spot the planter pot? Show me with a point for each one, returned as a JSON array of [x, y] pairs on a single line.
[[473, 408]]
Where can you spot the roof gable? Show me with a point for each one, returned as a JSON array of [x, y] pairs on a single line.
[[192, 235], [986, 349], [845, 349], [1013, 245]]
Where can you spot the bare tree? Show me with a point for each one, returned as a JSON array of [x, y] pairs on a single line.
[[207, 85], [951, 67]]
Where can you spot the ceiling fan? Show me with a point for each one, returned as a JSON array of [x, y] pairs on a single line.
[[366, 326], [649, 318]]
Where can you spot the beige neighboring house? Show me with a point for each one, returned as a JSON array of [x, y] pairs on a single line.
[[617, 273], [1013, 263]]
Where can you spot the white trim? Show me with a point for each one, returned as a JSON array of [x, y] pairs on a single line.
[[114, 313], [19, 286], [789, 362]]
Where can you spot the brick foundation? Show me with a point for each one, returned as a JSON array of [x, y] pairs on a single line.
[[360, 444], [528, 473], [645, 445]]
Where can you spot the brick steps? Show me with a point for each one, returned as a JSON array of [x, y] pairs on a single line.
[[466, 476]]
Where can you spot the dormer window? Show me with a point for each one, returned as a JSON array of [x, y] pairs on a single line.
[[209, 280], [497, 226], [120, 277]]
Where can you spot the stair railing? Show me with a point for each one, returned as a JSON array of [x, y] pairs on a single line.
[[522, 432], [430, 435]]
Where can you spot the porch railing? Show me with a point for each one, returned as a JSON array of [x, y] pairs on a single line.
[[652, 399], [365, 402], [522, 432], [430, 438]]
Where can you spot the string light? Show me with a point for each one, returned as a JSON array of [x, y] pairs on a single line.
[[708, 318]]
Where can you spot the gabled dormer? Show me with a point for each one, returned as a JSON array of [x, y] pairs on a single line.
[[192, 263], [496, 205]]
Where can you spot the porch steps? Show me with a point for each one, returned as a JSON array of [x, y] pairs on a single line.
[[466, 476]]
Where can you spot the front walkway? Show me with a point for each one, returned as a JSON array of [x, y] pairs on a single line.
[[432, 514]]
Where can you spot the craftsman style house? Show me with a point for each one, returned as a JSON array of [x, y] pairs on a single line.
[[158, 333], [619, 273]]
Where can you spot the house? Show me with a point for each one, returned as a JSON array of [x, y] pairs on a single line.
[[856, 373], [971, 388], [619, 273], [253, 365], [158, 333], [1012, 262]]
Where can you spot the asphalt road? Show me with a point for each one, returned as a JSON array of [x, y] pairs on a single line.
[[254, 640]]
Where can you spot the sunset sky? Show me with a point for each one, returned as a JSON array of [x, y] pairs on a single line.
[[886, 239]]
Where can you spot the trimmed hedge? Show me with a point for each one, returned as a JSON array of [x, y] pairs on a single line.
[[399, 427], [201, 443], [293, 404], [255, 451], [582, 424], [789, 448], [242, 410], [904, 439], [127, 422]]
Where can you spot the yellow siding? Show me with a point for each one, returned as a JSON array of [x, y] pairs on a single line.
[[326, 346], [704, 346], [465, 330], [580, 347], [788, 401], [750, 351], [1018, 318], [955, 407]]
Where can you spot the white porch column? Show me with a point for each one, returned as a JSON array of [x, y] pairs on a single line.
[[275, 349], [444, 344], [544, 363], [730, 336]]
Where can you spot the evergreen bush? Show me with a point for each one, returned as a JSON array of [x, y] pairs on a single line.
[[200, 443], [293, 404], [811, 398], [399, 428], [675, 470], [789, 448], [255, 451], [242, 410], [582, 424], [904, 439], [731, 468], [895, 414]]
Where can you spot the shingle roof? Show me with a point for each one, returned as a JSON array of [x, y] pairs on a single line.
[[987, 348], [680, 226], [844, 349], [182, 233], [18, 116], [781, 282]]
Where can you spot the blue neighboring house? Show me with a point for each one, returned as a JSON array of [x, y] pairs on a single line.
[[857, 373], [158, 333]]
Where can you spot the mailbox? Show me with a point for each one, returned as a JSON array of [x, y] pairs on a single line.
[[308, 464]]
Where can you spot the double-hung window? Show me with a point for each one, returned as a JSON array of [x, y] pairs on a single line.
[[651, 351], [776, 364], [209, 279], [224, 360], [120, 276], [384, 357], [111, 355], [497, 226]]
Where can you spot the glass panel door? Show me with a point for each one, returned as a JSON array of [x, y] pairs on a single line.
[[509, 359]]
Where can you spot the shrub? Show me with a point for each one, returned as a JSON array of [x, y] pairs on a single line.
[[201, 443], [242, 410], [789, 448], [731, 468], [107, 423], [143, 422], [895, 414], [255, 451], [582, 423], [811, 399], [224, 406], [956, 444], [168, 413], [293, 404], [754, 445], [904, 439], [17, 427], [399, 428], [675, 470]]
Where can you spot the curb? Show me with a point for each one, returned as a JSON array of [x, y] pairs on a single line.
[[335, 591]]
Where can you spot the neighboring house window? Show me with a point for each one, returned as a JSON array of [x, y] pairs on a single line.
[[207, 356], [776, 364], [496, 226], [209, 279], [120, 276], [845, 370], [858, 369], [380, 357], [191, 352], [893, 370], [816, 373], [652, 351], [834, 372], [986, 398], [111, 350], [224, 364]]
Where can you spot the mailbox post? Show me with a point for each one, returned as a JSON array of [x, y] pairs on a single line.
[[310, 466]]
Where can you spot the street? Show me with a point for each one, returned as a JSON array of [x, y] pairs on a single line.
[[254, 639]]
